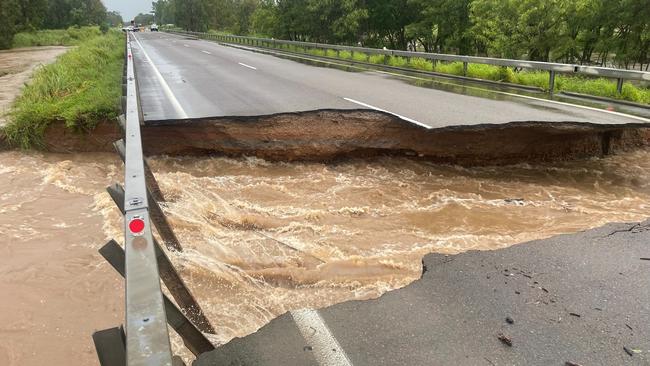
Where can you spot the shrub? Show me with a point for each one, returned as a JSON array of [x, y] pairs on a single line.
[[397, 61], [454, 68], [81, 88], [421, 64], [345, 55], [360, 56], [377, 59], [316, 52], [56, 37]]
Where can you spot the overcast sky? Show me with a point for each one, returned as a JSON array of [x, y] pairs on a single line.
[[128, 8]]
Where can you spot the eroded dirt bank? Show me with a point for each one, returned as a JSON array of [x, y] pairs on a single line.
[[328, 135]]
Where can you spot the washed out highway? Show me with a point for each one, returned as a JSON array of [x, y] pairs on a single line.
[[324, 183], [344, 242], [327, 214]]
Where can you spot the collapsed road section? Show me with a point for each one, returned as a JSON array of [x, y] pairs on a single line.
[[576, 299], [208, 103], [327, 135], [320, 134]]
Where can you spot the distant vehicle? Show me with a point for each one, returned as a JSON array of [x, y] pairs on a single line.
[[154, 27], [128, 29]]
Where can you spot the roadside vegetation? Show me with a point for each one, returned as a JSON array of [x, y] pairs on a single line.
[[82, 88], [601, 87], [586, 32], [71, 36], [603, 32], [27, 17]]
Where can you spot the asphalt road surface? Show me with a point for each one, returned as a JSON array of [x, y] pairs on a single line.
[[581, 298], [187, 78]]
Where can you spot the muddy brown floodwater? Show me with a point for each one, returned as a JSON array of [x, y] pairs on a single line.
[[263, 238]]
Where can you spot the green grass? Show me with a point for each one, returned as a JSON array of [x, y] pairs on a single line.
[[604, 88], [421, 64], [377, 59], [360, 56], [489, 72], [316, 52], [55, 37], [346, 55], [331, 53], [82, 88], [397, 61], [454, 68]]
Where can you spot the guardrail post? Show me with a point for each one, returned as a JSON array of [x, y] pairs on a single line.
[[551, 82], [192, 337], [464, 68], [619, 85]]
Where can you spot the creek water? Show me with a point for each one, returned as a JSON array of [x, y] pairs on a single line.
[[262, 238]]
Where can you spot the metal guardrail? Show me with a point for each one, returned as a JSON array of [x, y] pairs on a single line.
[[143, 262], [147, 338], [552, 68]]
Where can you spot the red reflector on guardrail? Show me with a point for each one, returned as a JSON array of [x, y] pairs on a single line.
[[136, 225]]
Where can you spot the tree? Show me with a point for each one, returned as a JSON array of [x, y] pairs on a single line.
[[32, 14], [192, 15], [571, 31], [164, 11], [442, 26], [517, 28], [387, 22], [145, 19], [66, 13], [114, 19], [9, 10], [266, 20]]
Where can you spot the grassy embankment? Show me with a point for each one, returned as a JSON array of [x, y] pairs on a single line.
[[72, 36], [579, 84], [82, 88]]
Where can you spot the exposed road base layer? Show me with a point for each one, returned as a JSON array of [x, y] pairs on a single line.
[[333, 134], [579, 299]]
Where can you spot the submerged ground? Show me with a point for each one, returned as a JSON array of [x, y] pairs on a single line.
[[263, 238]]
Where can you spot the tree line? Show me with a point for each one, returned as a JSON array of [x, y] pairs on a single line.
[[29, 15], [605, 32]]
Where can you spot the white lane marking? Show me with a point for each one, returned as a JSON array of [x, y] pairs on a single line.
[[185, 45], [206, 52], [249, 66], [325, 347], [389, 112], [168, 92]]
